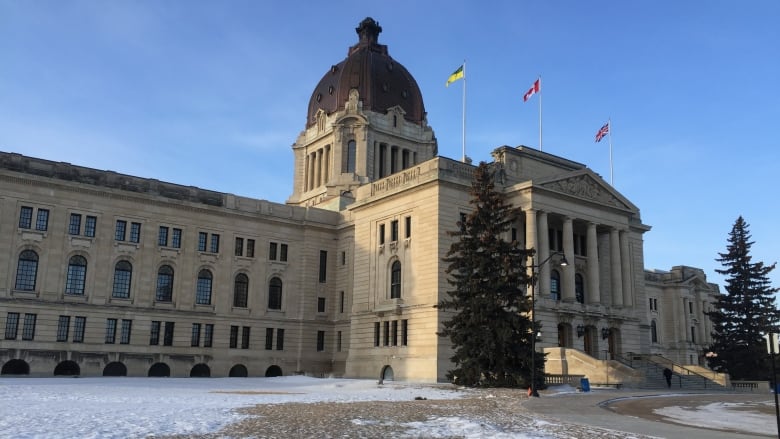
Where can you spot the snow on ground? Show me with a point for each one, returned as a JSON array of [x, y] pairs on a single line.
[[722, 415], [123, 407]]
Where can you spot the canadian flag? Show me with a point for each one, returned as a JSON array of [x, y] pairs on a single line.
[[533, 90]]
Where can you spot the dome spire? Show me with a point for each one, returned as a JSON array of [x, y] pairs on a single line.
[[368, 30]]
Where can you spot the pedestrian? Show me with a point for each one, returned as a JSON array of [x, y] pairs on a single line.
[[668, 376]]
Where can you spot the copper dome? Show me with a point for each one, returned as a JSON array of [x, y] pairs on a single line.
[[381, 81]]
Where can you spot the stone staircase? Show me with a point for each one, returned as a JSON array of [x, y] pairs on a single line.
[[683, 379]]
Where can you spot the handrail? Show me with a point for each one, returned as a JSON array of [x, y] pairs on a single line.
[[678, 369]]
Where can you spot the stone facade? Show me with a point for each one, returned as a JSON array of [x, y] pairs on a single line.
[[104, 273]]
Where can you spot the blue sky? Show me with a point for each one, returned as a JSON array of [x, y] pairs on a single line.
[[213, 94]]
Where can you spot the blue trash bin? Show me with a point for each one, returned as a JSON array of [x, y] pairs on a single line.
[[585, 384]]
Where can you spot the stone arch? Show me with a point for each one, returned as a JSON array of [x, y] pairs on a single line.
[[273, 371], [15, 367], [238, 371], [200, 370], [387, 374], [67, 367], [115, 369], [159, 370]]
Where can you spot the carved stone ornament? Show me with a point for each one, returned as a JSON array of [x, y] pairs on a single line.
[[583, 186]]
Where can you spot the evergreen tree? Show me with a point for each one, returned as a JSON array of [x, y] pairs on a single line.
[[490, 330], [745, 313]]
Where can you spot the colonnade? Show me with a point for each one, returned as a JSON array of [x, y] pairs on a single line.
[[391, 159], [318, 164], [619, 282]]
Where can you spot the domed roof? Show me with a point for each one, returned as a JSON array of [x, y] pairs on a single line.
[[381, 81]]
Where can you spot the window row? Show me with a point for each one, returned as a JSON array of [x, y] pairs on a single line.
[[555, 286], [386, 333], [394, 232]]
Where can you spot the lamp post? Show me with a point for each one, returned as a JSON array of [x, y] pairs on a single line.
[[534, 273]]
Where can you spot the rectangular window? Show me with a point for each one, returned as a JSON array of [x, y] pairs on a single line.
[[63, 328], [341, 302], [376, 333], [320, 341], [89, 226], [25, 217], [280, 339], [121, 227], [202, 239], [239, 246], [394, 332], [42, 221], [28, 332], [195, 341], [387, 333], [381, 234], [74, 226], [693, 334], [11, 325], [283, 252], [343, 258], [208, 335], [690, 307], [272, 251], [250, 248], [154, 337], [404, 332], [176, 238], [79, 328], [110, 331], [320, 304], [323, 265], [269, 339], [162, 237], [233, 337], [124, 335], [338, 341], [408, 227], [245, 337], [214, 243], [393, 230], [168, 336], [135, 232]]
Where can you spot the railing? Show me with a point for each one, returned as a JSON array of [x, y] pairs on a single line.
[[750, 386], [573, 380], [660, 363]]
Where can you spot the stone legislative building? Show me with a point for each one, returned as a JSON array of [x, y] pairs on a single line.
[[109, 274]]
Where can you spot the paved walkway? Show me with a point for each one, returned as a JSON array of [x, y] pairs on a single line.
[[621, 410]]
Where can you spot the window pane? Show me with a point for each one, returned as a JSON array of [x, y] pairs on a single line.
[[11, 325], [77, 274], [269, 338], [162, 237], [78, 329], [154, 335], [245, 337], [233, 337], [26, 271], [168, 338], [126, 330], [195, 340], [283, 253], [110, 330], [74, 226], [25, 217], [123, 273], [63, 327], [119, 231], [42, 222], [239, 249], [214, 243], [176, 240], [323, 265], [208, 335], [202, 238], [203, 292], [280, 339], [275, 293], [250, 248], [164, 284], [272, 252], [135, 232], [89, 226], [241, 291]]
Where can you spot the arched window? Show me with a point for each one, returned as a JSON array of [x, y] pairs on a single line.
[[275, 293], [395, 280], [351, 151], [653, 332], [203, 289], [164, 284], [26, 271], [77, 275], [123, 273], [579, 288], [240, 291], [555, 285]]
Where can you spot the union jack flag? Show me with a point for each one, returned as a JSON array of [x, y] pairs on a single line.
[[602, 132]]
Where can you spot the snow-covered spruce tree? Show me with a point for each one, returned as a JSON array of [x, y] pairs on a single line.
[[745, 313], [490, 328]]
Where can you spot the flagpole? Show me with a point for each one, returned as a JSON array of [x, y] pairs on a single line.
[[540, 112], [609, 133], [464, 111]]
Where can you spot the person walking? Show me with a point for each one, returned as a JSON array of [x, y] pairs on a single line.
[[668, 376]]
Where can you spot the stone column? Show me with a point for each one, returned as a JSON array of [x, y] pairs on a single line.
[[625, 264], [568, 271], [543, 252], [592, 293], [530, 238], [326, 165], [615, 269], [318, 168], [306, 173], [388, 160]]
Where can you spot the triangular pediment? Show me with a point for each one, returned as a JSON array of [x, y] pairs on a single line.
[[586, 185]]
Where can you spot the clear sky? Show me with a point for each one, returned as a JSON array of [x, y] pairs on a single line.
[[213, 94]]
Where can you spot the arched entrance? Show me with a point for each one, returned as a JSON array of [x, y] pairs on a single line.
[[238, 371], [15, 367], [159, 370], [115, 369], [387, 374], [273, 371], [67, 367], [590, 343], [200, 370], [564, 335]]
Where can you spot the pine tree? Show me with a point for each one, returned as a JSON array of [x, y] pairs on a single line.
[[491, 330], [745, 313]]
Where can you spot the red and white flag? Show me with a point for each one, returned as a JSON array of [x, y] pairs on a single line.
[[603, 131], [533, 90]]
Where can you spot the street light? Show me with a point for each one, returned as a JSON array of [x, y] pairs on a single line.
[[534, 273]]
